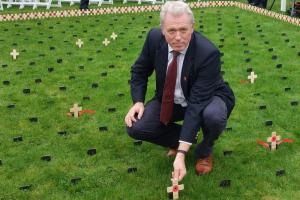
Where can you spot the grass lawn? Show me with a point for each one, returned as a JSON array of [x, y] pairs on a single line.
[[96, 77]]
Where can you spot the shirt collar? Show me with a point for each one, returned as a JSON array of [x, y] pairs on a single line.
[[181, 52]]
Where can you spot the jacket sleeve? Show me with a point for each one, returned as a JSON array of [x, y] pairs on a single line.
[[207, 80], [140, 71]]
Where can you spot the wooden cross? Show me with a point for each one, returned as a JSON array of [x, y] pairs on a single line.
[[175, 188], [79, 43], [114, 36], [273, 139], [106, 42], [252, 77], [75, 110], [14, 54]]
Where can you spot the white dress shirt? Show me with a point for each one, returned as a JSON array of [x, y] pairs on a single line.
[[178, 93]]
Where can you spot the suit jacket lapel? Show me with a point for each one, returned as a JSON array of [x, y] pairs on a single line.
[[187, 66], [161, 63]]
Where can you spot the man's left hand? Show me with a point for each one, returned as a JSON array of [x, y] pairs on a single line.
[[179, 167]]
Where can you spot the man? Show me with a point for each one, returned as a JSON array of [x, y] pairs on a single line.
[[196, 93]]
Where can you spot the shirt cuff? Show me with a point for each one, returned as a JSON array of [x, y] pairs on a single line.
[[185, 142]]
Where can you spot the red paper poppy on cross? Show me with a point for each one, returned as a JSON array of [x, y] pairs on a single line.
[[273, 139], [175, 188]]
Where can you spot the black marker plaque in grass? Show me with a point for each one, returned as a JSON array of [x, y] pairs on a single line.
[[75, 180], [10, 106], [46, 158], [86, 98], [25, 187], [280, 172], [278, 66], [103, 128], [62, 133], [92, 151], [50, 69], [26, 91], [95, 85], [81, 67], [132, 170], [249, 69], [18, 139], [262, 107], [294, 103], [274, 57], [111, 110], [62, 88], [227, 153], [33, 119], [6, 82], [103, 74], [225, 183], [269, 123]]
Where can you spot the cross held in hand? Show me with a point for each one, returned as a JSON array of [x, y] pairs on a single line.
[[273, 139], [106, 42], [75, 110], [14, 54], [175, 188], [114, 36], [252, 77], [79, 43]]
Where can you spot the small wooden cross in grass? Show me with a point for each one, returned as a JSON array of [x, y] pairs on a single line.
[[114, 36], [14, 54], [106, 42], [75, 110], [252, 77], [273, 139], [79, 43], [175, 188]]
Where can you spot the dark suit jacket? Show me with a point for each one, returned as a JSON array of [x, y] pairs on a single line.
[[201, 78]]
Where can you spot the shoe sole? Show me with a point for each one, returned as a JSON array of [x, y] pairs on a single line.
[[201, 174]]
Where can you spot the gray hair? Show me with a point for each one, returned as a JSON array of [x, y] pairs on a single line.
[[175, 8]]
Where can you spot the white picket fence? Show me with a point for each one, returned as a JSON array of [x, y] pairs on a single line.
[[33, 3], [99, 2], [145, 1], [50, 3]]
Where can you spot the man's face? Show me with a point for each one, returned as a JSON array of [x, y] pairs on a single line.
[[177, 31]]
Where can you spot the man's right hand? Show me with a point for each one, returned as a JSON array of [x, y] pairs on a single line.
[[138, 108]]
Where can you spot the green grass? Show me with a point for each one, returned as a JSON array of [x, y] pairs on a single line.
[[250, 168]]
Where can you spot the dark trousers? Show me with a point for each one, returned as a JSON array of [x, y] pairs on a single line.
[[258, 3], [149, 128], [84, 4]]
